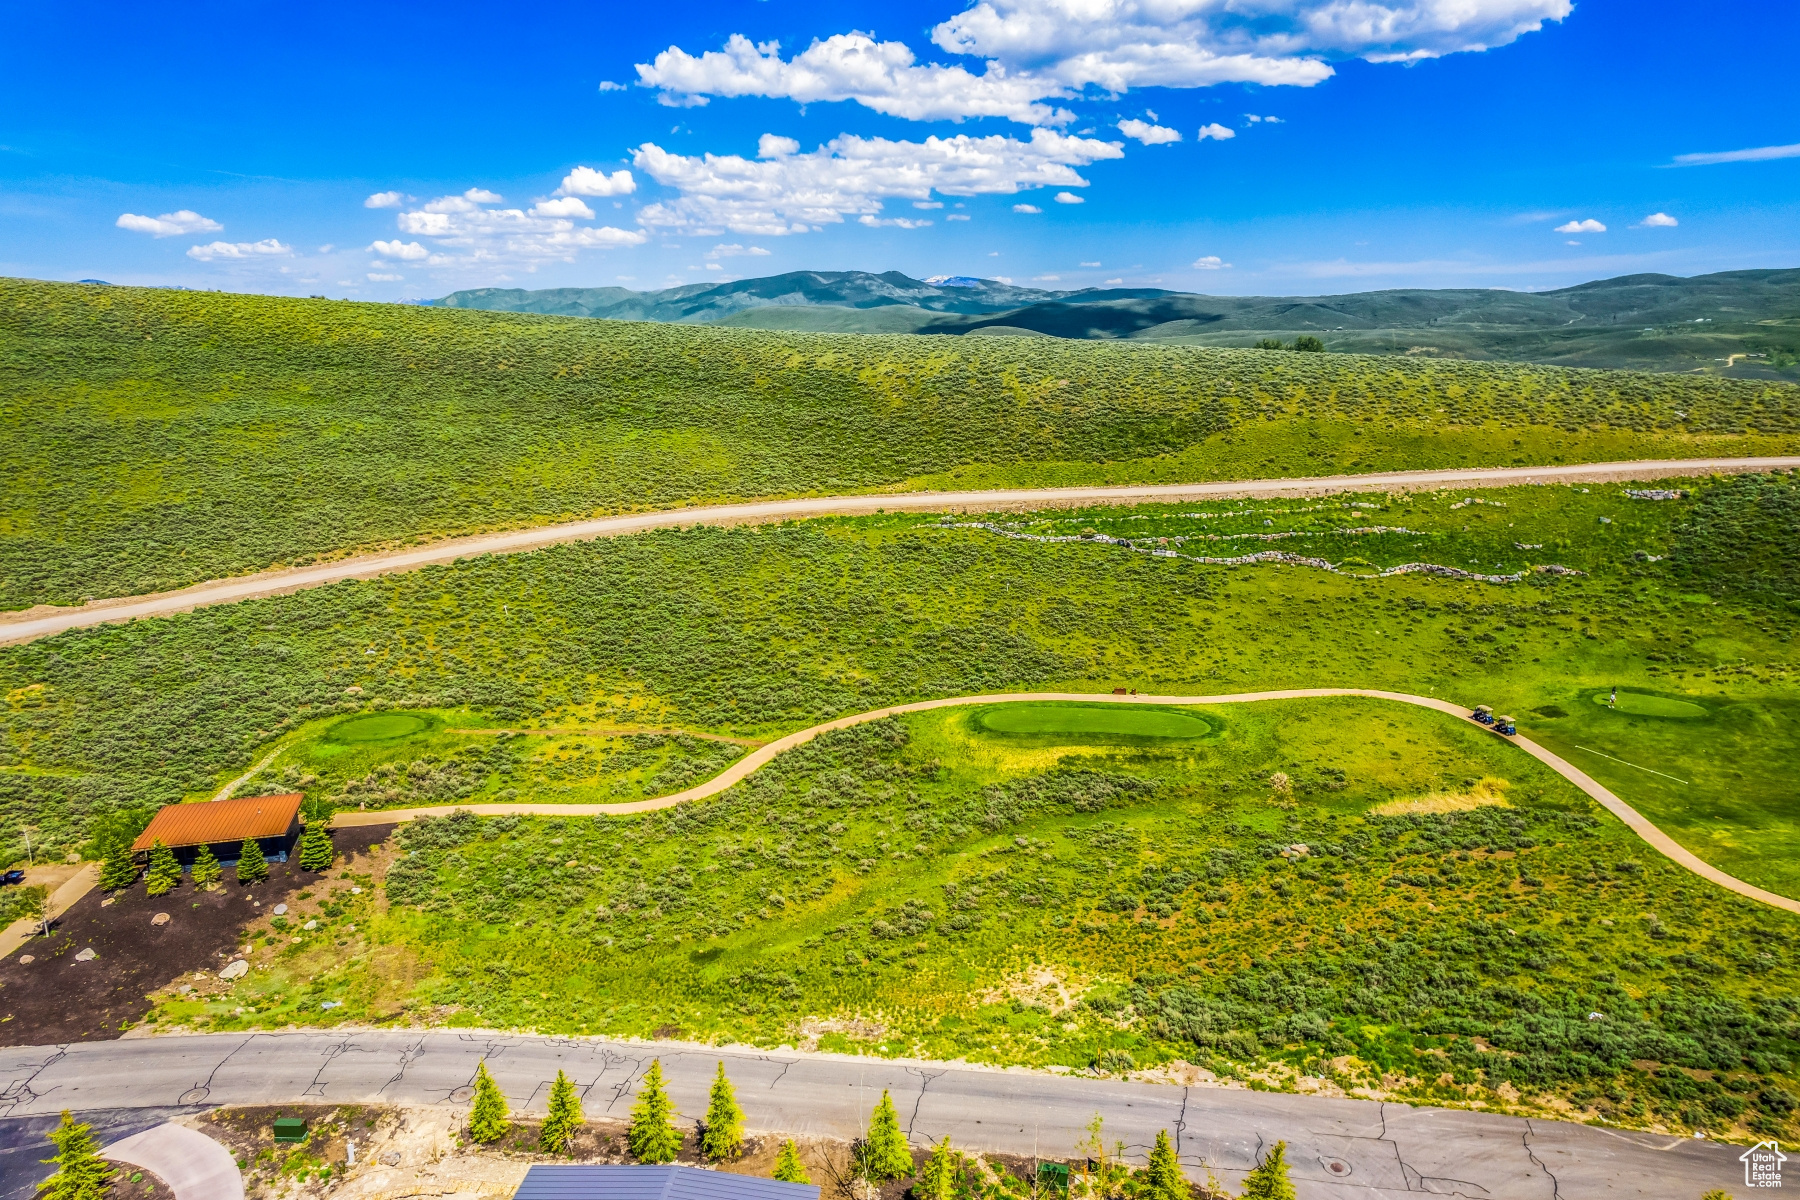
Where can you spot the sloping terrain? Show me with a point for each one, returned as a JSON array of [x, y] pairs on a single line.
[[1744, 323], [155, 439]]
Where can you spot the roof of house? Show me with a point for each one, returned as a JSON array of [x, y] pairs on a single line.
[[600, 1182], [221, 821]]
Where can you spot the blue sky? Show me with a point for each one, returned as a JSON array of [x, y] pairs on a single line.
[[387, 152]]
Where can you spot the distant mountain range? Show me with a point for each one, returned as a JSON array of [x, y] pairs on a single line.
[[1736, 322]]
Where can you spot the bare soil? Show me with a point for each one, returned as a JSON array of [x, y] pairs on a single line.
[[55, 999]]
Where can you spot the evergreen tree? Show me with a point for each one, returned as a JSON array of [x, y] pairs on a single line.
[[564, 1119], [251, 867], [164, 875], [653, 1136], [120, 869], [788, 1167], [1162, 1179], [81, 1174], [937, 1178], [1270, 1181], [487, 1115], [207, 870], [316, 851], [724, 1137], [885, 1154]]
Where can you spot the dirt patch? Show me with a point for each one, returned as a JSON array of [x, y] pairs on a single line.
[[135, 1183], [54, 998], [1041, 987], [1490, 790]]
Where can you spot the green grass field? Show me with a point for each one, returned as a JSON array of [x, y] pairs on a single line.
[[1053, 721], [153, 439], [755, 632], [934, 888]]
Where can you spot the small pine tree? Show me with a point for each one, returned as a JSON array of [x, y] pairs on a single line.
[[164, 875], [316, 851], [1162, 1179], [81, 1174], [724, 1137], [1270, 1181], [120, 869], [487, 1115], [653, 1137], [937, 1178], [564, 1119], [885, 1153], [207, 870], [251, 868], [788, 1167]]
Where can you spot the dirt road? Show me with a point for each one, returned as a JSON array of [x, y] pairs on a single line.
[[1640, 824], [44, 620]]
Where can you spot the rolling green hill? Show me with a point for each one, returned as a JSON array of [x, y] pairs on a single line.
[[1741, 323], [154, 439]]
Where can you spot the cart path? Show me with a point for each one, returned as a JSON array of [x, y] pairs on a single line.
[[1338, 1149], [45, 620], [1639, 823]]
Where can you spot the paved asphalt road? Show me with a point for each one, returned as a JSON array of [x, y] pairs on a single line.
[[42, 622], [1340, 1149]]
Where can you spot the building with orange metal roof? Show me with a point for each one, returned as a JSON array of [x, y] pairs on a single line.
[[273, 821]]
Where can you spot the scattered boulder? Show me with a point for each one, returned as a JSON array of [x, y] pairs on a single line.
[[27, 958], [391, 1159], [237, 968], [279, 910], [160, 919], [310, 925], [87, 955]]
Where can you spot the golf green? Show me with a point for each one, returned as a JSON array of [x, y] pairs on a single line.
[[1639, 705], [1107, 720], [378, 727]]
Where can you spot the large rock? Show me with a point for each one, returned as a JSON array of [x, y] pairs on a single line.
[[237, 968]]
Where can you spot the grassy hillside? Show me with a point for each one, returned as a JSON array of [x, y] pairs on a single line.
[[945, 886], [1744, 324], [156, 438], [754, 632]]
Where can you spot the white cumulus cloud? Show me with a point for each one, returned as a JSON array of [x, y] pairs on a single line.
[[1069, 198], [384, 277], [1150, 135], [1588, 226], [1210, 262], [398, 249], [213, 251], [1216, 131], [567, 206], [1027, 208], [733, 250], [171, 224], [851, 66], [385, 200], [467, 230], [585, 181], [1039, 50], [874, 222], [1657, 220], [792, 192], [957, 217]]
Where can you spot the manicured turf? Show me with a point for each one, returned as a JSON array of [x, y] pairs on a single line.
[[1639, 704], [1127, 721], [381, 727]]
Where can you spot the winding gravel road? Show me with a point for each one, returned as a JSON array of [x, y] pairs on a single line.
[[45, 620], [1339, 1149], [1639, 823]]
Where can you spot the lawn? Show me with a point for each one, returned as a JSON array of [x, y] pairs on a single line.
[[927, 886], [153, 439]]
